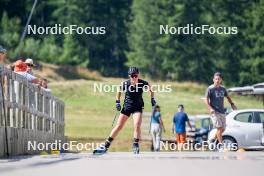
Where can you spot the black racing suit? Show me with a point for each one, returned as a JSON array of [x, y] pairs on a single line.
[[133, 101]]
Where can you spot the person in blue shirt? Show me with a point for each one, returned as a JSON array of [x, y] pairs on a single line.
[[179, 125], [156, 128]]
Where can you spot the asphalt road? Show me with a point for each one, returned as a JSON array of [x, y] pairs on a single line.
[[128, 164]]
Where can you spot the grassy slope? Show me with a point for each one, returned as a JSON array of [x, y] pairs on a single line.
[[89, 114]]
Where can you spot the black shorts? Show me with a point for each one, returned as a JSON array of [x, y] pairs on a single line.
[[128, 110]]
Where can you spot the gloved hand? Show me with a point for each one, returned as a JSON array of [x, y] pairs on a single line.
[[118, 106], [153, 102]]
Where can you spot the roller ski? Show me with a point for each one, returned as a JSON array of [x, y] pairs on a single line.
[[100, 150], [135, 148]]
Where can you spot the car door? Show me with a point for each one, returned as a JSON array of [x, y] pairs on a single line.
[[244, 121], [259, 118]]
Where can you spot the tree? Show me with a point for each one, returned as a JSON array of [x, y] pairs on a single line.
[[181, 57], [9, 37]]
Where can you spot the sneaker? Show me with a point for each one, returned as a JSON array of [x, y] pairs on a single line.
[[135, 148], [220, 147], [212, 144]]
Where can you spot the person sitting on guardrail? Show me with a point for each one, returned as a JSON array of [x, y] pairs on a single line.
[[21, 69], [156, 128], [44, 85], [179, 126], [2, 55], [31, 65]]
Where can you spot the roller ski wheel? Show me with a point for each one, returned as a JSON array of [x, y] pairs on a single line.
[[100, 150], [135, 148]]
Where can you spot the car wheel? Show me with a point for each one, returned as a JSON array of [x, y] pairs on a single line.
[[230, 143]]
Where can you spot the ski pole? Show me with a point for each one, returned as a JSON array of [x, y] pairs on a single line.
[[114, 119]]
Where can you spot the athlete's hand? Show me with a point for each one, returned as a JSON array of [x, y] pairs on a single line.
[[118, 106], [233, 106], [153, 101]]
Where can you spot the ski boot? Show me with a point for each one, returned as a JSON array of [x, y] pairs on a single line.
[[135, 148], [100, 150]]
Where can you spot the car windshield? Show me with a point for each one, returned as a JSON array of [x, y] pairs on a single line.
[[202, 123]]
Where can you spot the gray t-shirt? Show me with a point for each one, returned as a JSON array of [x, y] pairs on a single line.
[[216, 97]]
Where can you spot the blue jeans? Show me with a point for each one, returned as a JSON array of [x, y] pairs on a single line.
[[156, 135]]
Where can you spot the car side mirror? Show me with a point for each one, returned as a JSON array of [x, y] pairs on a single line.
[[263, 125]]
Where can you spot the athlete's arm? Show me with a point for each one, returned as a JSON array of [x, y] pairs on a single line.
[[173, 128], [208, 105], [151, 91], [118, 96], [153, 101], [233, 106], [188, 121], [161, 123], [119, 91], [189, 124], [231, 103], [207, 101]]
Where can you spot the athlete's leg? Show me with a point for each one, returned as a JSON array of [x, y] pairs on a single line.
[[182, 140], [119, 125], [137, 117], [153, 135], [219, 133], [158, 138]]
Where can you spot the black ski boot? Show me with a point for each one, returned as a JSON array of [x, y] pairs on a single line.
[[135, 148], [100, 150]]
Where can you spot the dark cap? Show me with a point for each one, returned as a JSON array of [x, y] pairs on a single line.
[[218, 74], [180, 106], [133, 70]]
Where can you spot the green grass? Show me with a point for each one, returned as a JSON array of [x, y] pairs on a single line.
[[89, 114]]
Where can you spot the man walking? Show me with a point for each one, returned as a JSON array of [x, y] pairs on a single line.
[[179, 126], [214, 99]]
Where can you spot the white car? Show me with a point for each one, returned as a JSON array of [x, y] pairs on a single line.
[[245, 128]]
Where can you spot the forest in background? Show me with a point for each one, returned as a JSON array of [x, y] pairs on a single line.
[[132, 37]]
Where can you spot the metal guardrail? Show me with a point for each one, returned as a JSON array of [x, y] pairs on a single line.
[[27, 112]]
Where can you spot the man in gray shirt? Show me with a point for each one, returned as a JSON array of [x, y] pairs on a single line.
[[214, 99]]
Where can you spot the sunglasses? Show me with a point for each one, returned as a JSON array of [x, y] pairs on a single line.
[[133, 76], [30, 65]]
